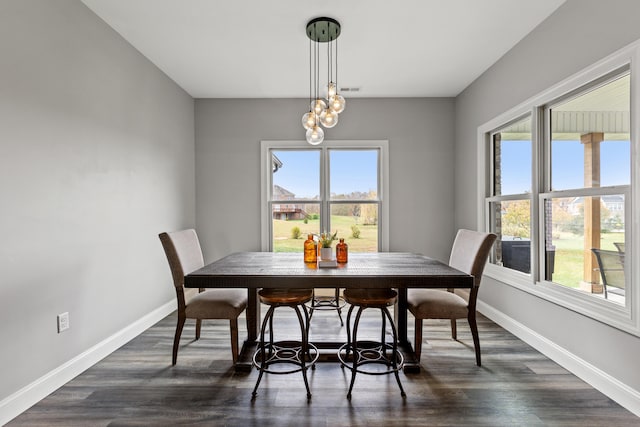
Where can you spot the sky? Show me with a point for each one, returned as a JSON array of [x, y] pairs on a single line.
[[567, 165], [351, 170]]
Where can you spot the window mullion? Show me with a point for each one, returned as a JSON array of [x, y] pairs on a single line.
[[325, 188], [538, 166]]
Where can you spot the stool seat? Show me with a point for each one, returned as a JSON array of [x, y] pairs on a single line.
[[374, 298], [285, 296]]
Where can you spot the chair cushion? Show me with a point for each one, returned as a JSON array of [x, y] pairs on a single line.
[[436, 304], [217, 304]]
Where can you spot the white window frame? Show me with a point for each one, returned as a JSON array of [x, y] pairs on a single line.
[[491, 198], [383, 183], [626, 318]]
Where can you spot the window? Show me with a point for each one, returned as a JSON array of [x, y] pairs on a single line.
[[338, 187], [510, 201], [590, 176], [558, 190]]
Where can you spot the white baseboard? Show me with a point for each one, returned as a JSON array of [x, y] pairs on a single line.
[[613, 388], [23, 399]]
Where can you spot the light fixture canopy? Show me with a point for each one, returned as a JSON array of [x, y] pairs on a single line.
[[322, 111]]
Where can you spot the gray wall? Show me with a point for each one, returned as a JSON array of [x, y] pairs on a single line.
[[578, 34], [97, 157], [420, 135]]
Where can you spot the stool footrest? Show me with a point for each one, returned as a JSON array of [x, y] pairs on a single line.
[[326, 303], [368, 353], [285, 352]]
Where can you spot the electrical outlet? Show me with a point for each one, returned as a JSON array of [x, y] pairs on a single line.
[[63, 322]]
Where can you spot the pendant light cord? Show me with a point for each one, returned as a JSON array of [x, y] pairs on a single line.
[[336, 65], [328, 61]]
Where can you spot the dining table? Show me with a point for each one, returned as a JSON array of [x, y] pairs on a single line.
[[397, 270]]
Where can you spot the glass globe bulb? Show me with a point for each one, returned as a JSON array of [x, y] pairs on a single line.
[[337, 104], [318, 106], [332, 90], [315, 135], [309, 120], [329, 118]]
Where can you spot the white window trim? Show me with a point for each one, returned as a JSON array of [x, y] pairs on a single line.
[[623, 318], [383, 181]]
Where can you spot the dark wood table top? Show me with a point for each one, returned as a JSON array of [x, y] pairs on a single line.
[[364, 270]]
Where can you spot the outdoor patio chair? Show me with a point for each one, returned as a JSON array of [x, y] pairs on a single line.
[[611, 267]]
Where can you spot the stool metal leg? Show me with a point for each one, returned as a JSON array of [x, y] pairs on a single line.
[[307, 317], [263, 363], [383, 338], [348, 347], [354, 343], [312, 305], [322, 304], [271, 330], [305, 349], [338, 306], [395, 349]]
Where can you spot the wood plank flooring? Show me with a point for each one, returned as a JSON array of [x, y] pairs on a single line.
[[137, 386]]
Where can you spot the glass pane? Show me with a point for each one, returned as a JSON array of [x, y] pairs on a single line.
[[354, 174], [296, 174], [512, 224], [357, 224], [590, 137], [574, 226], [292, 223], [512, 159]]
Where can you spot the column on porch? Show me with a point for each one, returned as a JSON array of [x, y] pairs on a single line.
[[592, 220]]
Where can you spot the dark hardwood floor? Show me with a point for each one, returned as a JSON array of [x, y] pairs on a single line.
[[137, 386]]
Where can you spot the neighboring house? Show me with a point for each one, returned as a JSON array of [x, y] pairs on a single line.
[[286, 212], [614, 204]]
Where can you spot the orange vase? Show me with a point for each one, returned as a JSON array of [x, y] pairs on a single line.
[[310, 251], [342, 250]]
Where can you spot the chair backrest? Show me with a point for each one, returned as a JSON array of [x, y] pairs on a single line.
[[183, 253], [611, 265], [619, 246], [470, 252]]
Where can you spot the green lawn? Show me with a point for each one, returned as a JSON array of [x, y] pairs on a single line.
[[368, 241], [569, 260], [569, 256]]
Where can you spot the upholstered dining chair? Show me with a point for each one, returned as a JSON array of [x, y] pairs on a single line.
[[185, 255], [469, 254]]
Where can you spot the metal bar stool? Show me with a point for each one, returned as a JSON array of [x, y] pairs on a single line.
[[301, 354], [322, 302], [354, 354]]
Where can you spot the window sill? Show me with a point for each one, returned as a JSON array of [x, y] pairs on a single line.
[[604, 311]]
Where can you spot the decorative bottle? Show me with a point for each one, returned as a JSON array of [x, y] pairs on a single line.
[[342, 250], [310, 249]]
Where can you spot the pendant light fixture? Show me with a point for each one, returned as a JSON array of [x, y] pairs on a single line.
[[323, 111]]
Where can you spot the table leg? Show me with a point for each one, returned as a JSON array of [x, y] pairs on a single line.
[[245, 358], [411, 363], [253, 314], [401, 315]]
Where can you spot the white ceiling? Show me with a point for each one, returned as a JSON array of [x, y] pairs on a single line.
[[259, 49]]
